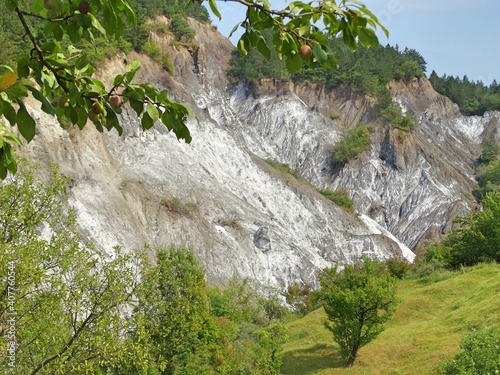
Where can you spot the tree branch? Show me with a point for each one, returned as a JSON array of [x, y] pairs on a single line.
[[38, 50]]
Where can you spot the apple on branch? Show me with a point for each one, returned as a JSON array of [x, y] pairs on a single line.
[[305, 52], [84, 7]]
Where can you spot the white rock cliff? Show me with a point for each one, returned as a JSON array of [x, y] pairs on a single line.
[[241, 216]]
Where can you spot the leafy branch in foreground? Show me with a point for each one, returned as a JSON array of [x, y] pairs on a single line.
[[51, 72]]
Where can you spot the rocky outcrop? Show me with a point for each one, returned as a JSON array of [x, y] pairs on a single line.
[[241, 216], [412, 183]]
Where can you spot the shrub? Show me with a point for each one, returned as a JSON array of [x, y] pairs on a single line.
[[395, 116], [353, 143], [398, 267], [178, 207], [301, 298], [479, 355], [162, 58], [285, 168], [335, 115], [490, 152], [181, 29], [478, 238], [341, 198]]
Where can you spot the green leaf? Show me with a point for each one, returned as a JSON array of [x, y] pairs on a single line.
[[349, 39], [96, 24], [81, 117], [118, 80], [137, 106], [46, 106], [234, 29], [213, 7], [112, 121], [74, 31], [319, 54], [23, 69], [129, 12], [293, 63], [304, 29], [25, 122], [131, 69], [168, 117], [263, 48], [152, 111], [147, 122], [83, 21], [11, 4], [37, 6], [243, 45], [367, 37], [7, 110], [82, 63], [3, 169]]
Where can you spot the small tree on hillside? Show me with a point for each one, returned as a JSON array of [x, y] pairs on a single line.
[[358, 300]]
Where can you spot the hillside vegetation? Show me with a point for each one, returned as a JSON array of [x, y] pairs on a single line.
[[427, 328]]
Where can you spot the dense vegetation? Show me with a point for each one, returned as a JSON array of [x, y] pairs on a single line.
[[78, 309], [69, 307], [367, 70], [134, 37], [476, 240], [473, 97], [488, 170]]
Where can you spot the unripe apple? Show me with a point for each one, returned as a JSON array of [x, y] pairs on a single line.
[[305, 52], [96, 108], [94, 117], [63, 102], [84, 7], [116, 101]]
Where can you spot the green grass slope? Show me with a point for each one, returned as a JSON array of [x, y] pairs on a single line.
[[428, 326]]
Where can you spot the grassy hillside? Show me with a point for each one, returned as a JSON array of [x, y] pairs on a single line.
[[427, 328]]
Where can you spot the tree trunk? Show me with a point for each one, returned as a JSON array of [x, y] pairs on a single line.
[[350, 362], [352, 356]]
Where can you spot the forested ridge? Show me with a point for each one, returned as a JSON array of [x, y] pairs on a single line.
[[134, 37], [366, 70]]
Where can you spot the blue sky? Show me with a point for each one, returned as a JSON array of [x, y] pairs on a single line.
[[456, 37]]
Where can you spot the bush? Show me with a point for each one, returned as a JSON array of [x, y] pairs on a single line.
[[353, 143], [162, 58], [479, 355], [181, 29], [409, 70], [341, 198], [490, 153], [285, 168], [395, 116], [398, 267], [301, 299], [478, 238]]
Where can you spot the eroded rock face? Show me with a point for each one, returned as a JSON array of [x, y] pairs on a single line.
[[412, 184], [241, 216]]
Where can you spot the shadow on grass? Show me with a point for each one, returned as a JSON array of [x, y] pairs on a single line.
[[311, 360]]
